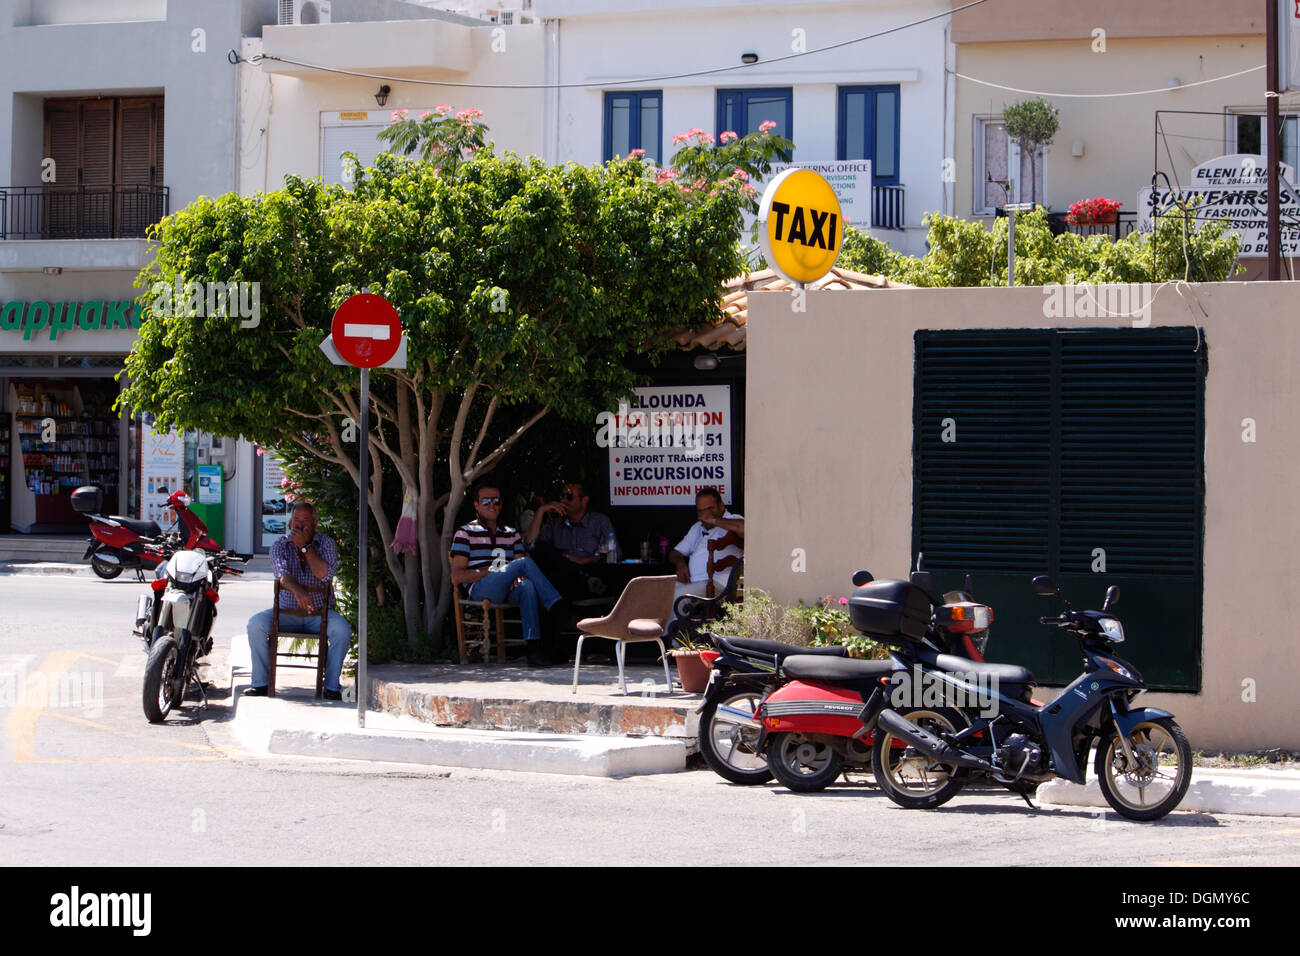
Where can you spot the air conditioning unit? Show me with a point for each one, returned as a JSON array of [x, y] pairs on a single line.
[[304, 11]]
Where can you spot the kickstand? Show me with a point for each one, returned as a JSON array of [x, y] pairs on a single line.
[[1025, 797], [139, 575], [203, 705]]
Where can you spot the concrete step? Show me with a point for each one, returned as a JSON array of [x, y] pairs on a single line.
[[28, 547]]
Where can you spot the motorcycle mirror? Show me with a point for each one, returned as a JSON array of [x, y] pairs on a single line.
[[970, 585], [862, 577], [1045, 586], [1112, 597], [923, 580]]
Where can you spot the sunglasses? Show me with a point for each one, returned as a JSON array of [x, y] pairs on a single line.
[[490, 501], [568, 496]]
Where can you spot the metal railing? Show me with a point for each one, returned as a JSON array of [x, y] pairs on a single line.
[[1124, 223], [102, 211], [887, 207]]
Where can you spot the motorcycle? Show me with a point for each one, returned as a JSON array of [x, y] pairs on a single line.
[[742, 672], [118, 543], [922, 756], [820, 723], [178, 621]]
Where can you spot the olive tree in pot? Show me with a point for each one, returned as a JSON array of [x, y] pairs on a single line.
[[1032, 125]]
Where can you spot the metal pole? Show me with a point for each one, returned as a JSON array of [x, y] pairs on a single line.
[[1011, 246], [363, 685], [1272, 136]]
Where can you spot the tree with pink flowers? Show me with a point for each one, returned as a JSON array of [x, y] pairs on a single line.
[[440, 136]]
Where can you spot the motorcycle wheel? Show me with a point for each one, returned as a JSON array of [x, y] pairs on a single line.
[[104, 569], [1159, 782], [727, 739], [802, 764], [163, 687], [911, 779]]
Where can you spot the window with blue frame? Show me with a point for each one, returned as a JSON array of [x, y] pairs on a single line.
[[868, 129], [743, 111], [634, 120]]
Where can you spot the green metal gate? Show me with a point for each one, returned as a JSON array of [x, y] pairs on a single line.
[[1065, 452]]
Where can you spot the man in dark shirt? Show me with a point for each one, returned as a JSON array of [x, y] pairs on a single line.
[[302, 556], [487, 557], [566, 537]]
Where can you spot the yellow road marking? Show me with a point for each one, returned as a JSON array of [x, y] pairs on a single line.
[[23, 720], [128, 733], [102, 660]]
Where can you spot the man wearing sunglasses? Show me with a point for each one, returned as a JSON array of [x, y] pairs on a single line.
[[487, 557], [576, 533]]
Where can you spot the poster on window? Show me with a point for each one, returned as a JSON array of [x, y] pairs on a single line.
[[275, 518], [666, 443], [1233, 189], [162, 465]]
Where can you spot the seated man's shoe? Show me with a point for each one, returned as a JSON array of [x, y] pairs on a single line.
[[333, 694], [255, 692], [536, 658]]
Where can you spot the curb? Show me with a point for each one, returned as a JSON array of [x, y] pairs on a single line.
[[42, 567], [1222, 791]]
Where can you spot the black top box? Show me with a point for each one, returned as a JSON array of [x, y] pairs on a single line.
[[890, 610], [88, 500]]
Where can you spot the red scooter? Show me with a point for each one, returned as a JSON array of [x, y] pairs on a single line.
[[820, 722], [119, 543]]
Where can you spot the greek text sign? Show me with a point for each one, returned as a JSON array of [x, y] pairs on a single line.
[[1233, 188], [32, 318], [666, 443]]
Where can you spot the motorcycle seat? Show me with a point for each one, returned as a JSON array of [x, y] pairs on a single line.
[[835, 669], [146, 529], [1005, 673], [749, 646]]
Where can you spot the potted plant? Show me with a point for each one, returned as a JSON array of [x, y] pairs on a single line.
[[1093, 212], [692, 669], [1032, 125]]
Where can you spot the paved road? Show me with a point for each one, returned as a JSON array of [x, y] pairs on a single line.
[[99, 785]]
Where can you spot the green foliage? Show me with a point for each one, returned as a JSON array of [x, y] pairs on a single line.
[[967, 253], [701, 165], [1032, 124], [441, 139], [804, 625]]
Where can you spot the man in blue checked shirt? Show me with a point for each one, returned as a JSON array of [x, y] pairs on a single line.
[[481, 561], [302, 556]]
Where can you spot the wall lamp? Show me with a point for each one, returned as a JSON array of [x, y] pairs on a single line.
[[382, 96], [749, 58]]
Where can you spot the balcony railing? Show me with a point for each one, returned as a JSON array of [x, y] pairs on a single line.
[[1125, 223], [105, 211], [887, 207]]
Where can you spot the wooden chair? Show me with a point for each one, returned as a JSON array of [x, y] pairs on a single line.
[[326, 593], [640, 615], [692, 612], [721, 564], [478, 622]]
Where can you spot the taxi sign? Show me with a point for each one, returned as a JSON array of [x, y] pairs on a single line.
[[800, 226]]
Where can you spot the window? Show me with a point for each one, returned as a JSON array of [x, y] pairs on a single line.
[[1246, 134], [998, 158], [868, 129], [743, 111], [1078, 454], [634, 120]]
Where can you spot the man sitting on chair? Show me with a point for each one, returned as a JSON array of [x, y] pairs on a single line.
[[691, 556], [302, 556], [481, 554]]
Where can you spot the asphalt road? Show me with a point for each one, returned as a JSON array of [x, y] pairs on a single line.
[[86, 780]]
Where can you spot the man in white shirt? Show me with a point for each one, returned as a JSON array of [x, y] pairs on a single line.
[[691, 555]]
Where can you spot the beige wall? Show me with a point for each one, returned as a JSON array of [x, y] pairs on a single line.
[[1118, 132], [1053, 19], [828, 466]]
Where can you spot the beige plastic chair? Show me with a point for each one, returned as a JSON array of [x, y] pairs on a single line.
[[640, 615]]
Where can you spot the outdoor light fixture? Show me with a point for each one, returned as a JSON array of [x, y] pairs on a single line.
[[382, 96], [749, 58], [707, 362], [53, 270], [1076, 148]]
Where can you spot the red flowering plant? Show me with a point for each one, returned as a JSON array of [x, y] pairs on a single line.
[[1087, 211], [701, 166]]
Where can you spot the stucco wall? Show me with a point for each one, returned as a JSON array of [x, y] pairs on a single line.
[[829, 466]]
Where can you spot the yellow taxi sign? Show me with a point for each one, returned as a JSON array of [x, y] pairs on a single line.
[[800, 226]]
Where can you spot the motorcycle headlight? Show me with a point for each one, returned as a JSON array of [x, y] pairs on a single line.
[[1112, 628]]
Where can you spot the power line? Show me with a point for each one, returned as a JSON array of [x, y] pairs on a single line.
[[1163, 89], [642, 81]]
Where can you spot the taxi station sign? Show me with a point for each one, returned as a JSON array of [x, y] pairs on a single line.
[[800, 225]]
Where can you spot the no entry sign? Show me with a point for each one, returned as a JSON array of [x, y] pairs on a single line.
[[366, 330]]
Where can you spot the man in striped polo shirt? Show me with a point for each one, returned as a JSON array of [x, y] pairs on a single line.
[[487, 557]]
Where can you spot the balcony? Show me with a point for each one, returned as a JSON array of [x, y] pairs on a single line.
[[107, 211], [887, 207], [1125, 223]]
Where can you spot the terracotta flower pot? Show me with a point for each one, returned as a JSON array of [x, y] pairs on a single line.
[[692, 671]]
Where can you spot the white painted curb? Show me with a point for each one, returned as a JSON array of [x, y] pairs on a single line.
[[1261, 792]]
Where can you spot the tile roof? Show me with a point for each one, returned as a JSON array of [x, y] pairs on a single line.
[[730, 331]]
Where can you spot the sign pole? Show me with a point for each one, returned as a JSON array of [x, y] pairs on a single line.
[[363, 686], [1273, 137]]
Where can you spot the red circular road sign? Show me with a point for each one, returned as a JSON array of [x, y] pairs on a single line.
[[367, 330]]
